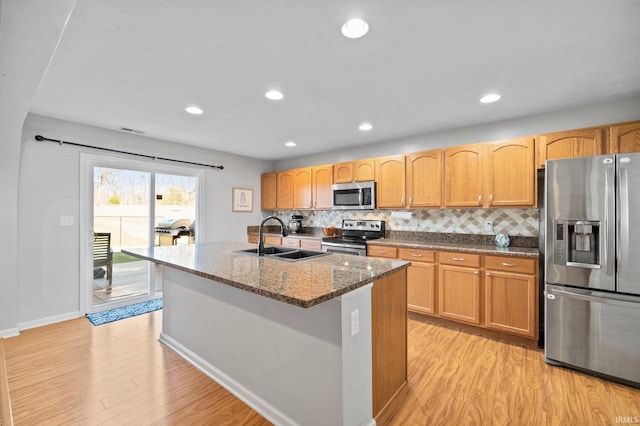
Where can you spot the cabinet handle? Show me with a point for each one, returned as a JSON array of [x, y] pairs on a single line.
[[410, 201], [459, 259], [382, 251], [476, 273], [491, 199], [488, 274], [416, 255], [480, 199], [402, 201], [511, 265]]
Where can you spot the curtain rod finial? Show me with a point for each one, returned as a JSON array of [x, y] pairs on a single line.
[[39, 138]]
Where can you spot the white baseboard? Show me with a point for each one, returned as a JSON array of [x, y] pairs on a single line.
[[48, 320], [9, 332], [269, 412]]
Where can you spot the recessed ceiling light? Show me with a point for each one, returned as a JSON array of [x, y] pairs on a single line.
[[274, 95], [194, 110], [355, 28], [290, 144], [365, 127], [490, 98]]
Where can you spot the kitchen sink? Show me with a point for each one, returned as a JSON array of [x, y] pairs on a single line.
[[287, 254]]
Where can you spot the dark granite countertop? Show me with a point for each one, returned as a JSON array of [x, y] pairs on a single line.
[[459, 247], [304, 283]]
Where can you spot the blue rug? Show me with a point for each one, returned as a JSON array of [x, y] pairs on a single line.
[[116, 314]]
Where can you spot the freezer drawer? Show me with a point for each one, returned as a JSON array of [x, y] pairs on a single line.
[[593, 330]]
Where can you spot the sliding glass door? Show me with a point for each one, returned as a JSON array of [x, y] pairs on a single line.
[[129, 204]]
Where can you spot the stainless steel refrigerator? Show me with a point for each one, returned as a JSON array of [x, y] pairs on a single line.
[[592, 265]]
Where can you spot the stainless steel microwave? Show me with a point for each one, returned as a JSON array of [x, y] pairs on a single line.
[[354, 196]]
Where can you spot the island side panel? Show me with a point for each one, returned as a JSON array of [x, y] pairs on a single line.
[[389, 336], [286, 362]]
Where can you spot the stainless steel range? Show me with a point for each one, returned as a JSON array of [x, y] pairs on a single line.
[[355, 234]]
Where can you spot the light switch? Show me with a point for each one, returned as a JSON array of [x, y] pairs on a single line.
[[67, 220]]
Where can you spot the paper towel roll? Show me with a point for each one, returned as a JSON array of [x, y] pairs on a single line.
[[402, 215]]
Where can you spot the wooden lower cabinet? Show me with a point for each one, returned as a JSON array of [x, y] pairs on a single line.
[[459, 293], [291, 242], [421, 280], [511, 296]]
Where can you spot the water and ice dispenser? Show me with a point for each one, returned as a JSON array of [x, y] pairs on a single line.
[[577, 243]]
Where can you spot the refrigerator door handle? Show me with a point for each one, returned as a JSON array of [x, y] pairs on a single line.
[[609, 221], [589, 298], [623, 236]]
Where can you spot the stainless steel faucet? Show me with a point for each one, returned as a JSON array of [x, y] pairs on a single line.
[[260, 233]]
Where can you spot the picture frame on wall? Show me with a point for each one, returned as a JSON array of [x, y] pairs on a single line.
[[242, 200]]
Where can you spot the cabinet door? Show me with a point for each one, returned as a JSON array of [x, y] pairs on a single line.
[[253, 238], [302, 188], [424, 179], [511, 303], [625, 138], [311, 244], [268, 191], [364, 170], [570, 144], [459, 294], [463, 176], [390, 182], [421, 288], [511, 175], [343, 172], [272, 240], [285, 189], [322, 181]]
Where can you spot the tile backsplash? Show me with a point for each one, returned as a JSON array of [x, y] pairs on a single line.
[[520, 222]]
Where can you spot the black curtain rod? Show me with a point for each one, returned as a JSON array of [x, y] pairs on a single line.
[[42, 138]]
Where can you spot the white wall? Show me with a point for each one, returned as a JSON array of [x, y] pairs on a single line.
[[29, 32], [48, 254], [614, 111]]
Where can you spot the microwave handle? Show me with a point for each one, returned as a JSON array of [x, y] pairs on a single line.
[[360, 196]]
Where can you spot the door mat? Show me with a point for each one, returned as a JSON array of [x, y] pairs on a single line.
[[123, 312]]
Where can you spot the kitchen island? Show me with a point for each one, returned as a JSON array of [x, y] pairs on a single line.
[[317, 341]]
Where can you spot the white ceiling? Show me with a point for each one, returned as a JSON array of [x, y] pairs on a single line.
[[421, 68]]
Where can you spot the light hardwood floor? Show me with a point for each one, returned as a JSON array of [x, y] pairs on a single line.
[[118, 373]]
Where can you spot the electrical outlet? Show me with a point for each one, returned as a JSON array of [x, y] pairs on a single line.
[[488, 226], [355, 322]]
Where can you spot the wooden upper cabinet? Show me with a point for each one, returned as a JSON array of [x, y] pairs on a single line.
[[268, 191], [390, 182], [285, 189], [463, 176], [625, 138], [354, 171], [570, 144], [343, 172], [302, 179], [511, 175], [424, 179], [364, 170], [322, 181]]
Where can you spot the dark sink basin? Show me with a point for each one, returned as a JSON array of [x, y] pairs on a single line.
[[299, 255], [288, 254], [267, 250]]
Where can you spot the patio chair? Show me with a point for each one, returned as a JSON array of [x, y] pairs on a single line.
[[102, 253]]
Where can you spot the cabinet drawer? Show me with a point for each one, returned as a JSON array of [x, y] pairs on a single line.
[[311, 244], [417, 255], [271, 240], [459, 259], [253, 239], [382, 251], [291, 242], [511, 264]]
